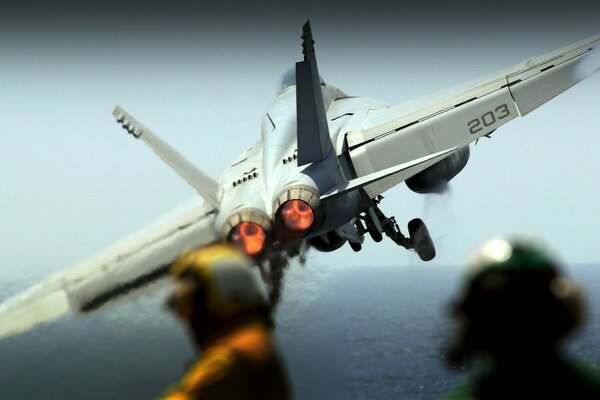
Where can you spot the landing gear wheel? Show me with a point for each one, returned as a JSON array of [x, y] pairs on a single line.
[[373, 232], [421, 241], [376, 236], [355, 246]]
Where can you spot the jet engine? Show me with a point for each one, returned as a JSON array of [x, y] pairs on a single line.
[[248, 229], [435, 178], [298, 211]]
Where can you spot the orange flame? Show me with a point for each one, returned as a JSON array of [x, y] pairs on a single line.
[[250, 237], [297, 215]]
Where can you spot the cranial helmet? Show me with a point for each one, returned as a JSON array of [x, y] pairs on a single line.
[[511, 255], [516, 295], [227, 279]]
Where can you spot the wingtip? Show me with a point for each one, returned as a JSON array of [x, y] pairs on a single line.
[[590, 63], [129, 124], [25, 316], [117, 110]]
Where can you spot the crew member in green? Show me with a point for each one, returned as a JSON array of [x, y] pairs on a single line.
[[515, 310], [222, 301]]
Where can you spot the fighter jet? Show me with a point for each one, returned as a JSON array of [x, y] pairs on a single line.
[[314, 179]]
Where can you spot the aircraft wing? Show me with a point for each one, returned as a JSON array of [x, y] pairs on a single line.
[[386, 137], [132, 264]]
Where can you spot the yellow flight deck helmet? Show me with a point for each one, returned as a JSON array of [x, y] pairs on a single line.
[[227, 276]]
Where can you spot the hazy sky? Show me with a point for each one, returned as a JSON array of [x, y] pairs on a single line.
[[201, 77]]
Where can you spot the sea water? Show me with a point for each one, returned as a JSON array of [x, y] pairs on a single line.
[[344, 333]]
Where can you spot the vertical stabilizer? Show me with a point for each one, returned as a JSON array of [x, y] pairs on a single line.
[[314, 142]]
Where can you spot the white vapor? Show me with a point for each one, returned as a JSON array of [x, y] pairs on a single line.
[[589, 64]]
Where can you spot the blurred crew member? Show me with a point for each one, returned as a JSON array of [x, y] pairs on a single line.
[[516, 309], [222, 301]]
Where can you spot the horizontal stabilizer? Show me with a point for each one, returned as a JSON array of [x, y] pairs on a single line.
[[122, 270], [410, 168], [204, 185]]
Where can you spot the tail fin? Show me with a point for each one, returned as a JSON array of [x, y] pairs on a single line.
[[204, 185], [314, 142]]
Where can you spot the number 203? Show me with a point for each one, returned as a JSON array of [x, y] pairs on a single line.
[[488, 119]]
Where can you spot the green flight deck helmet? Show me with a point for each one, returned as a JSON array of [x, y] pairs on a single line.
[[515, 298]]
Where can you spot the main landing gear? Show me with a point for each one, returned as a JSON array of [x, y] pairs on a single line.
[[376, 223]]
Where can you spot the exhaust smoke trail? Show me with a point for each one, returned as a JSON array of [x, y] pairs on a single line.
[[277, 267], [273, 270]]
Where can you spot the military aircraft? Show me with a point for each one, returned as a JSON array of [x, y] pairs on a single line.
[[313, 180]]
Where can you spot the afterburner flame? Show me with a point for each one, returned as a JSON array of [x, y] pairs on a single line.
[[297, 215], [250, 237]]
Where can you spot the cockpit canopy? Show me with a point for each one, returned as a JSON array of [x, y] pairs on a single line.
[[288, 79]]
